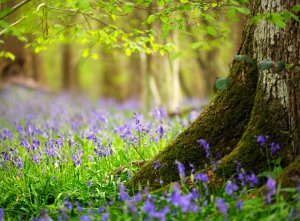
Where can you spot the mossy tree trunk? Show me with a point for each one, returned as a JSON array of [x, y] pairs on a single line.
[[255, 103]]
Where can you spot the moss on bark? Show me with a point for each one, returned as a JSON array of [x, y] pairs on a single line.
[[267, 118]]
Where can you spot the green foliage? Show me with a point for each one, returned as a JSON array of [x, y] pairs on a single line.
[[91, 23], [280, 66], [222, 83], [245, 58], [7, 54], [262, 65], [265, 65], [279, 19]]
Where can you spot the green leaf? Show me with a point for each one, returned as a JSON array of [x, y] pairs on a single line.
[[83, 4], [128, 7], [296, 8], [128, 51], [211, 31], [245, 58], [222, 83], [176, 55], [86, 52], [200, 44], [280, 66], [151, 19], [265, 65], [4, 12], [277, 20], [243, 10], [8, 55]]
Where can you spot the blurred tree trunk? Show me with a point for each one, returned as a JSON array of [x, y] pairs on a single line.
[[112, 85], [68, 67], [170, 78], [37, 67], [255, 103], [205, 62]]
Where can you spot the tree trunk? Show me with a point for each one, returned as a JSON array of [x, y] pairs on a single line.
[[68, 67], [255, 103]]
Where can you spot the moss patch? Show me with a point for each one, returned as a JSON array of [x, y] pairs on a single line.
[[268, 117]]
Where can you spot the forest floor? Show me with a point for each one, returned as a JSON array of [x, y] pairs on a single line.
[[68, 158]]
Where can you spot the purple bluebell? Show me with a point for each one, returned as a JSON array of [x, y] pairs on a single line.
[[181, 169], [230, 188], [123, 195], [271, 186], [205, 145], [68, 204], [222, 206], [274, 148], [105, 217], [202, 177], [252, 179], [239, 205], [85, 218], [89, 183], [101, 210], [241, 177], [1, 214], [156, 164], [193, 169], [160, 131], [261, 139], [138, 197], [148, 206], [161, 215]]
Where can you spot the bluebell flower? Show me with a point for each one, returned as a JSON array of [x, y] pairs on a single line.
[[181, 169], [79, 208], [101, 210], [1, 214], [241, 177], [261, 139], [222, 206], [271, 186], [274, 148], [202, 177], [230, 188], [156, 164], [161, 215], [123, 195], [149, 206], [239, 205], [85, 218], [105, 217], [68, 204], [160, 131], [205, 145], [138, 197], [252, 179]]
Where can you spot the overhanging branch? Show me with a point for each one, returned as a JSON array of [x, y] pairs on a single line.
[[16, 7]]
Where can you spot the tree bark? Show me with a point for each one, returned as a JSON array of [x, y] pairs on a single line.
[[68, 67], [255, 103]]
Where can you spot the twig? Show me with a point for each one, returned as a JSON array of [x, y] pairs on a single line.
[[16, 7], [12, 25]]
